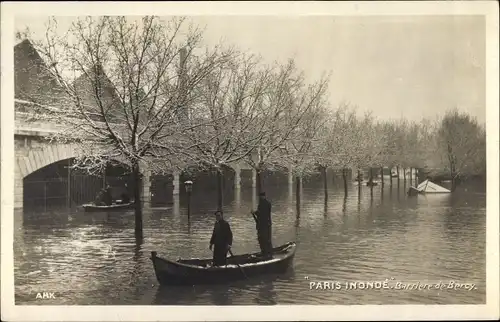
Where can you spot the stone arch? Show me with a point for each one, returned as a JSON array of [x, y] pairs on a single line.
[[41, 156], [38, 155], [32, 158]]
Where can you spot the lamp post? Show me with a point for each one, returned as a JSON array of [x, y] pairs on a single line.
[[189, 188]]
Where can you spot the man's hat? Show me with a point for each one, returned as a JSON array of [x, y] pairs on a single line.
[[262, 194]]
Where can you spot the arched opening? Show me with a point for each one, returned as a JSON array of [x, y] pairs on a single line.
[[58, 185]]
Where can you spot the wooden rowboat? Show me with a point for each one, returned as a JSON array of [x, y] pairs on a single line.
[[114, 207], [199, 271]]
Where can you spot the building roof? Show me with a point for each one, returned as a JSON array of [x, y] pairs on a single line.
[[32, 79]]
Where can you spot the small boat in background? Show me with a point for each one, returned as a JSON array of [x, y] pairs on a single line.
[[199, 271], [90, 207]]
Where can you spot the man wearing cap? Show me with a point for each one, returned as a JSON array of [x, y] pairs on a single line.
[[263, 220], [222, 239]]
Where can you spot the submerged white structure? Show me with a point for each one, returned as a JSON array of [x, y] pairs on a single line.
[[430, 187]]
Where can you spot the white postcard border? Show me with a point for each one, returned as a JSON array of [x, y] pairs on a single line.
[[10, 312]]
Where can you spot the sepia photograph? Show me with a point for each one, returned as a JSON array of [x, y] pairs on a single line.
[[158, 157]]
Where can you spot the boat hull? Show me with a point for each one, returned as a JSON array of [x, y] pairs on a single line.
[[114, 207], [198, 271]]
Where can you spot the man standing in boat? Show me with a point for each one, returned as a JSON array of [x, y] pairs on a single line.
[[222, 239], [264, 224], [108, 196]]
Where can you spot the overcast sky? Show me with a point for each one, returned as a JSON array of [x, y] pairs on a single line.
[[394, 66]]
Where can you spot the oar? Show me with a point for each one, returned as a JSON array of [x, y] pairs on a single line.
[[230, 252], [255, 217]]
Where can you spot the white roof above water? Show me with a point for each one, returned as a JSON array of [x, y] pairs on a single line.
[[430, 187]]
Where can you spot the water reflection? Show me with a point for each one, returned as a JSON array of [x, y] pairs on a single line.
[[355, 237], [237, 199], [177, 209], [344, 205]]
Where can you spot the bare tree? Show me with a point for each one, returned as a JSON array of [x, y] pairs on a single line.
[[383, 148], [343, 140], [401, 154], [324, 148], [462, 141], [230, 102], [286, 106], [299, 151], [390, 148], [364, 144], [126, 101]]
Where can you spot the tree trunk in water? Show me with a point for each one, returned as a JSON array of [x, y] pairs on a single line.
[[390, 177], [219, 189], [297, 193], [359, 181], [344, 176], [136, 177], [258, 179], [370, 180], [325, 182], [397, 172], [411, 176], [453, 177], [382, 176]]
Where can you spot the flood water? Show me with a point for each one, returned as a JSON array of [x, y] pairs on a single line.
[[93, 258]]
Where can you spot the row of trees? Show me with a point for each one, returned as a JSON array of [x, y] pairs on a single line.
[[454, 143], [144, 93]]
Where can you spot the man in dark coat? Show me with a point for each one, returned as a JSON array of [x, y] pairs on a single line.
[[108, 196], [99, 199], [222, 239], [264, 225]]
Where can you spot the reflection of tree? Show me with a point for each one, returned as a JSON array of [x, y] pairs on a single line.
[[344, 205], [176, 296], [176, 207], [267, 294], [359, 199], [237, 198], [221, 296], [138, 265], [297, 219]]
